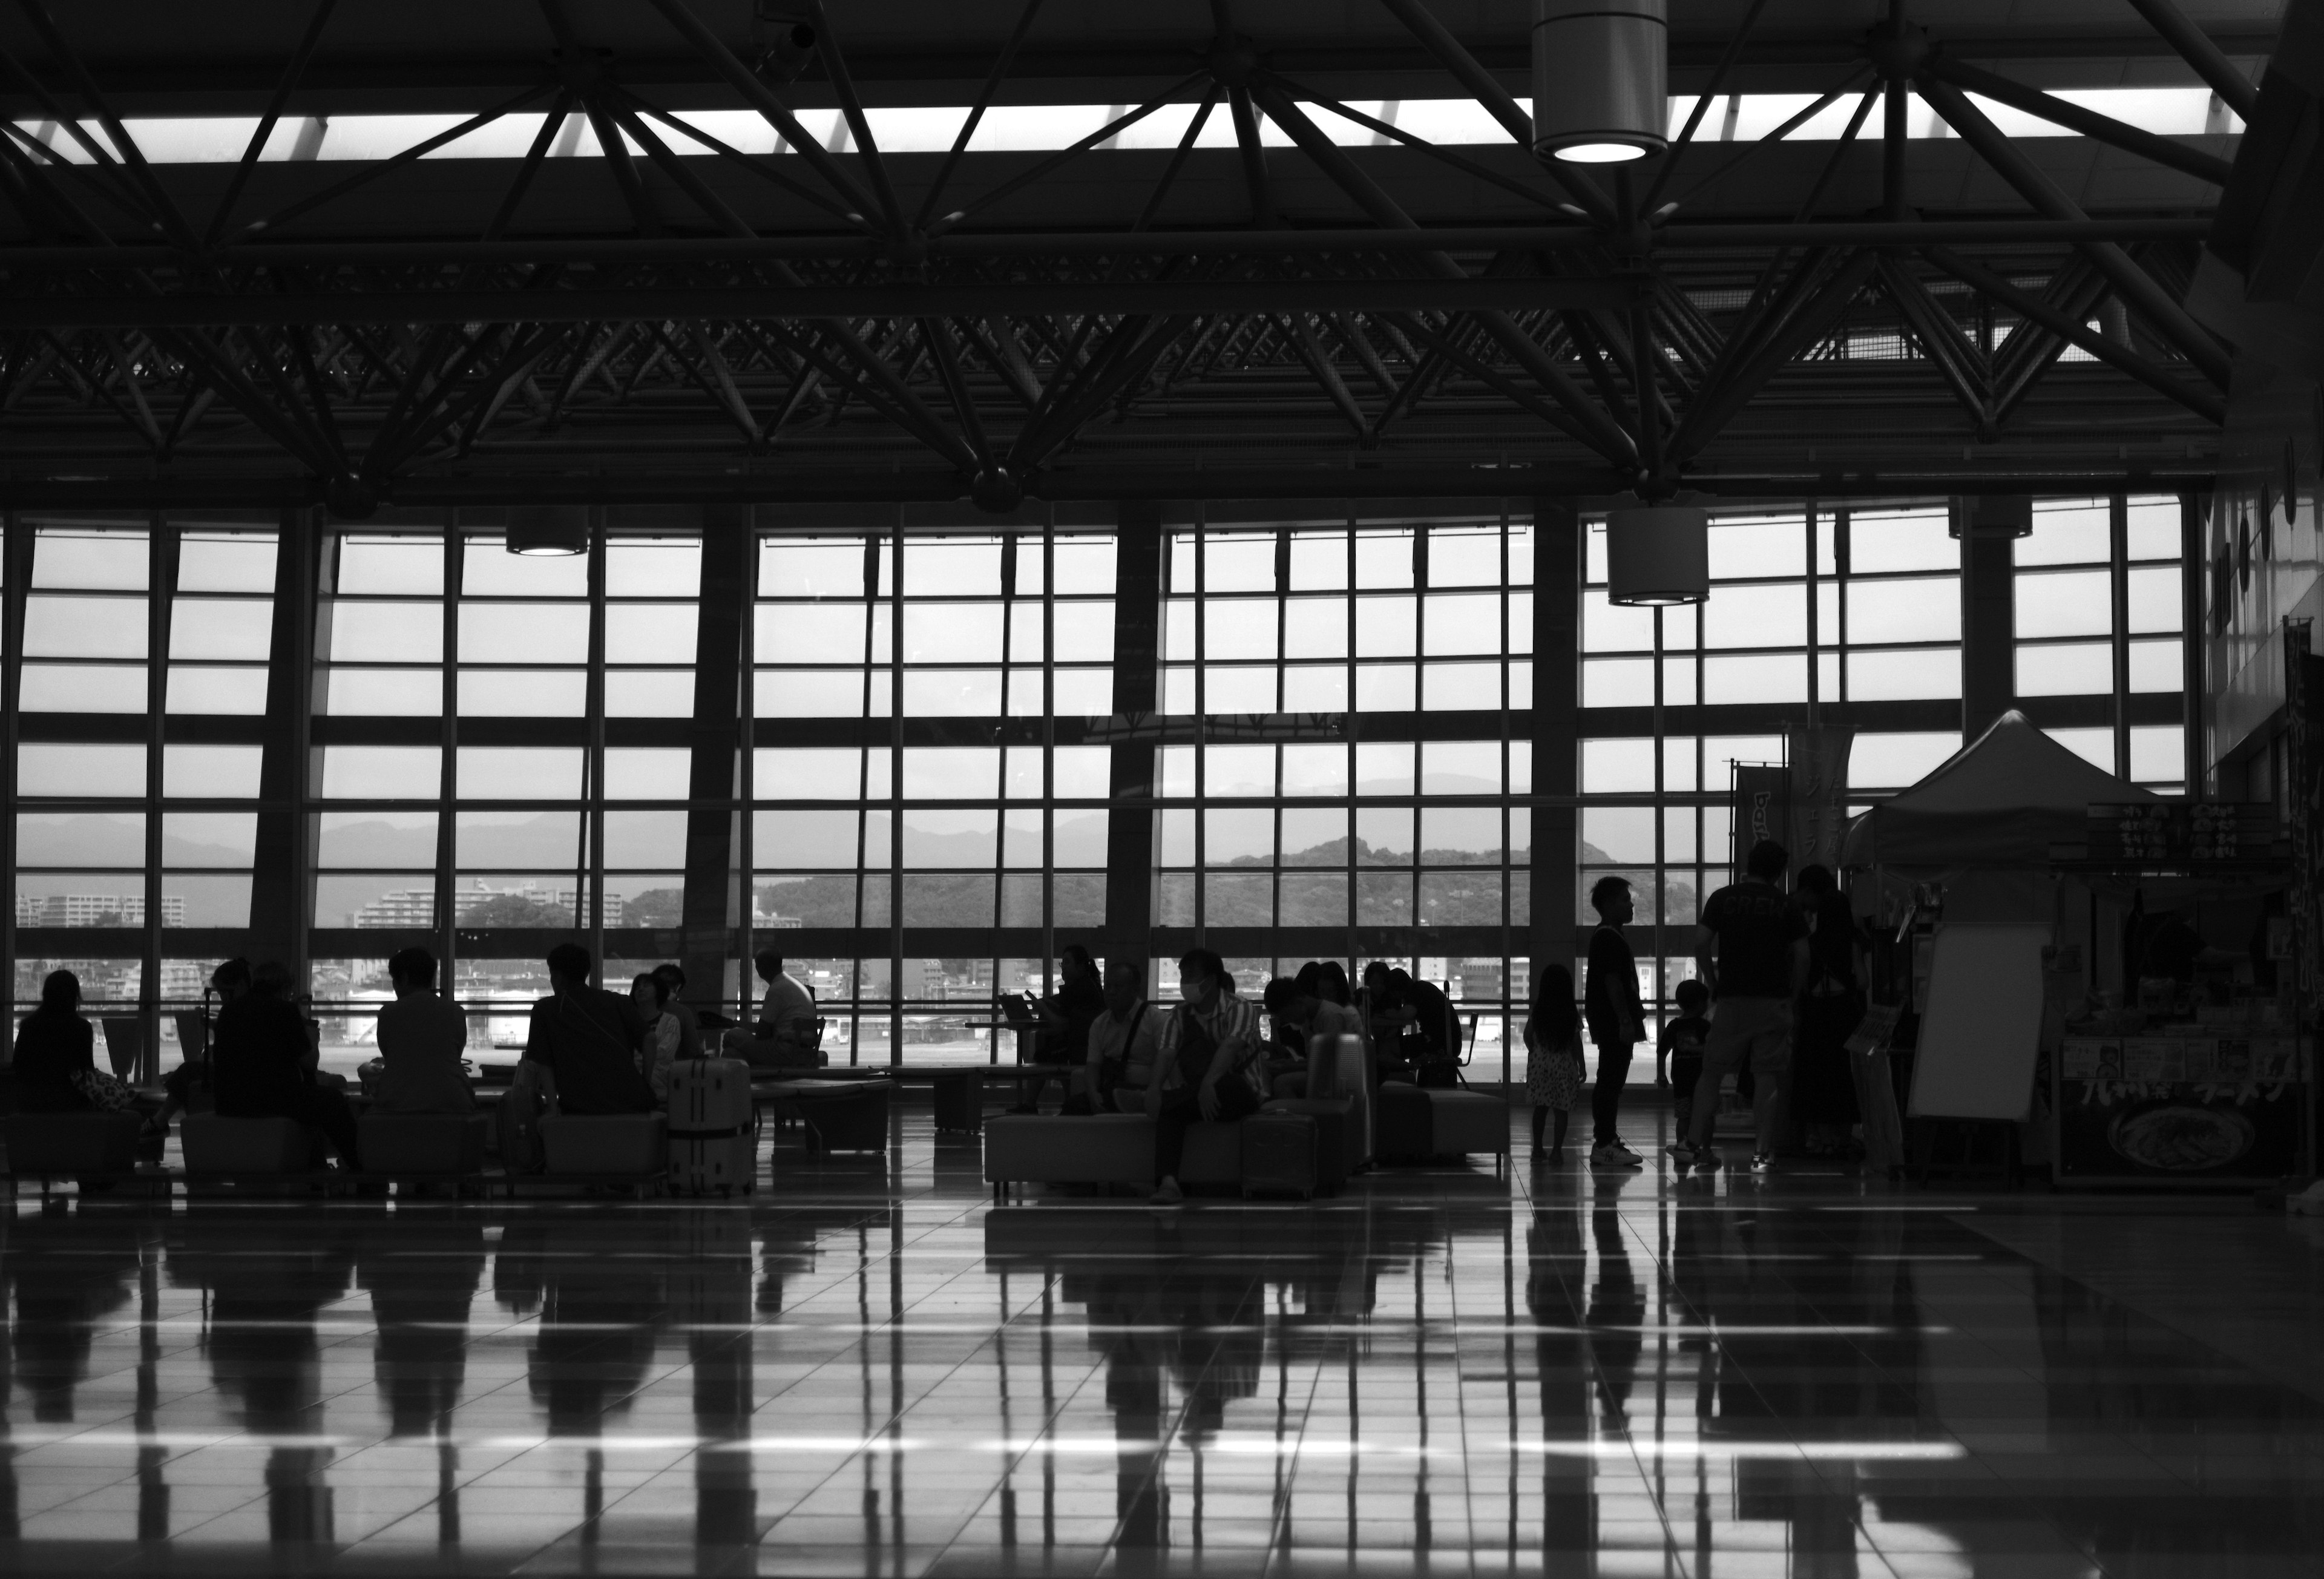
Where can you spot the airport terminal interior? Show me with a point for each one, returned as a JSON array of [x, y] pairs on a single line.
[[1242, 788]]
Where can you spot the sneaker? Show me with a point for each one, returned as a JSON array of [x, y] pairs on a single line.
[[1763, 1161], [1707, 1159], [1683, 1154], [1168, 1194], [1614, 1154], [1623, 1148]]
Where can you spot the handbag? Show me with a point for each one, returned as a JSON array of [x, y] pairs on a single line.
[[103, 1092], [516, 1123]]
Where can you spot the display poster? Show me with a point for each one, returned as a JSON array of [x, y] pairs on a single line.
[[2194, 1108], [1762, 807], [2180, 833], [1815, 812]]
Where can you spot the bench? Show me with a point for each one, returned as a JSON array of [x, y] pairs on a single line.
[[408, 1149], [1416, 1124], [1103, 1148], [627, 1151], [95, 1148], [838, 1115]]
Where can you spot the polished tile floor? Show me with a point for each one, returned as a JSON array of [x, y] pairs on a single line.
[[870, 1369]]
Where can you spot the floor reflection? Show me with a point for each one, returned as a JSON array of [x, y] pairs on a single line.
[[876, 1371]]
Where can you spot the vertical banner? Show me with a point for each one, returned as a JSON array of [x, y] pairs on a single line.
[[1816, 819], [1762, 807]]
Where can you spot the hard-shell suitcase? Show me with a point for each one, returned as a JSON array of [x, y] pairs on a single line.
[[960, 1103], [1334, 1119], [1278, 1153], [713, 1140]]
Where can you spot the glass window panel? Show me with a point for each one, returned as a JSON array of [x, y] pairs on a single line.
[[212, 771], [1757, 546], [2076, 533], [380, 692], [1238, 898], [1239, 690], [2077, 668], [810, 632], [1078, 837], [110, 561], [518, 840], [815, 840], [953, 567], [1021, 845], [1892, 761], [1616, 682], [376, 838], [2154, 528], [514, 772], [196, 689], [1315, 770], [2158, 753], [1174, 773], [1918, 610], [1384, 834], [1082, 693], [1520, 536], [1315, 836], [1679, 679], [1178, 629], [1383, 899], [1316, 687], [523, 693], [77, 899], [1083, 772], [84, 627], [1461, 836], [1084, 564], [1315, 627], [1882, 541], [949, 632], [1239, 627], [1312, 899], [2157, 666], [650, 632], [1084, 631], [399, 899], [221, 627], [524, 632], [1906, 675], [206, 899], [1617, 834], [82, 839], [811, 773], [662, 566], [1020, 778], [951, 773], [2065, 603], [1460, 766], [647, 772], [943, 838], [1756, 616], [1387, 687], [1520, 642], [2154, 603], [1024, 621], [391, 565], [1460, 899], [383, 633], [816, 567], [956, 693], [1319, 560], [1462, 623], [1681, 758], [1593, 560], [382, 772], [947, 898], [1776, 677], [1384, 557], [1827, 595], [1384, 627], [1521, 767], [1681, 625], [1238, 833], [1464, 556], [649, 693], [1384, 767], [1617, 766], [1177, 838], [1828, 676], [487, 569], [1238, 562], [1238, 770], [1678, 833], [2094, 746], [83, 688], [816, 693], [209, 838], [1721, 752]]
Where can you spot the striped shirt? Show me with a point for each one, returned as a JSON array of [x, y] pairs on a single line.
[[1229, 1016]]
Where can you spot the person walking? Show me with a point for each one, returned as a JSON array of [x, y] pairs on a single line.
[[1823, 1089], [1553, 1043], [1751, 947], [1615, 1019]]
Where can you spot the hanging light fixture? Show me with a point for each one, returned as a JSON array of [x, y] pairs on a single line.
[[548, 530], [1599, 75], [1990, 515], [1658, 554]]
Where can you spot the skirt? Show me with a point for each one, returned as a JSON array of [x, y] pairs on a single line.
[[1552, 1079]]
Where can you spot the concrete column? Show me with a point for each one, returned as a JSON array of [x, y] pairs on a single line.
[[1137, 648], [1556, 723], [715, 891], [1988, 624]]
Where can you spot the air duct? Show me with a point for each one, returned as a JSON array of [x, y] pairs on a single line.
[[1658, 555], [1600, 79]]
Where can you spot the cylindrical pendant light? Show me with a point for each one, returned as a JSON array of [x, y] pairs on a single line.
[[549, 529], [1658, 555], [1599, 75]]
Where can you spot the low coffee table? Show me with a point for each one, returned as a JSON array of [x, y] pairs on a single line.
[[839, 1115]]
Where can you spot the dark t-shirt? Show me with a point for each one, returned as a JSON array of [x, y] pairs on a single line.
[[1683, 1040], [1080, 1002], [1756, 923], [259, 1055], [1435, 1021], [51, 1048]]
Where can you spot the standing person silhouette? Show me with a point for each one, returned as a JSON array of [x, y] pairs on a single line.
[[1616, 1020], [1752, 949]]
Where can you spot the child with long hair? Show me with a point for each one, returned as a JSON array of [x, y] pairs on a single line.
[[1553, 1039]]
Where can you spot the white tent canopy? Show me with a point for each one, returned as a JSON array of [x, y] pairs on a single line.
[[2002, 800]]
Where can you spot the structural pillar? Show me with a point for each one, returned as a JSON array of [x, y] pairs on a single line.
[[1556, 723], [282, 890], [1988, 627], [713, 894], [1137, 648]]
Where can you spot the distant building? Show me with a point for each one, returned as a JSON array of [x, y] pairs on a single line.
[[412, 908], [94, 909], [415, 908]]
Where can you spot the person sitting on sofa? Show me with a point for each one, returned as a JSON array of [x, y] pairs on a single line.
[[1293, 1001], [264, 1063], [1208, 1067], [1123, 1040], [1066, 1014], [423, 1042], [586, 1041], [785, 1037], [54, 1069]]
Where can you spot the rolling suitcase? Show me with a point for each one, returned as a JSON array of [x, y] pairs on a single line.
[[712, 1138], [1278, 1153], [1334, 1119], [960, 1102]]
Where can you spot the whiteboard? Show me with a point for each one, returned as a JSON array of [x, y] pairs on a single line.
[[1981, 1026]]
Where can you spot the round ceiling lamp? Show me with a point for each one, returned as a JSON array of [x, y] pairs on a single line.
[[1658, 555], [548, 530], [1600, 79]]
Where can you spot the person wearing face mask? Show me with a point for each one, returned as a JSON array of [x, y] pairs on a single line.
[[1208, 1067]]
